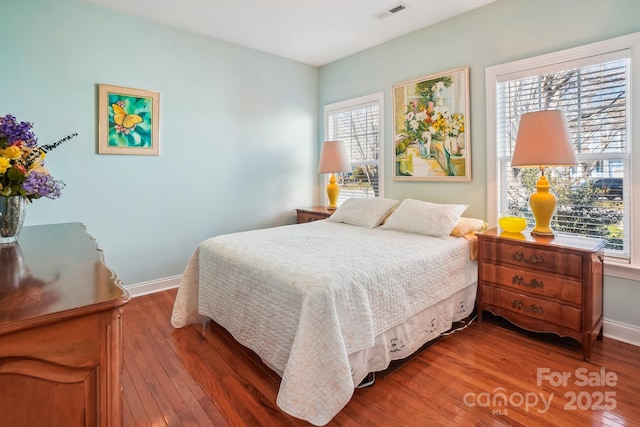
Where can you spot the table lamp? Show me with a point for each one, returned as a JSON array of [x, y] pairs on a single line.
[[333, 159], [543, 140]]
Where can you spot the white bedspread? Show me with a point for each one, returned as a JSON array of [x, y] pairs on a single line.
[[305, 296]]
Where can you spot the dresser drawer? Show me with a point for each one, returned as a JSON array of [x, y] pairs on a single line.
[[532, 281], [529, 257], [536, 308]]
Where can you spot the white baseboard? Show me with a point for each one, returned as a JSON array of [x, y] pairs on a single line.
[[622, 332], [152, 286]]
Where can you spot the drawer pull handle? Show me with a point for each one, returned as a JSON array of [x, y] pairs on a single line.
[[519, 280], [533, 259], [521, 306]]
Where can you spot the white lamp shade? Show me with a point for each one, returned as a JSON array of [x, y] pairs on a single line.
[[334, 158], [543, 140]]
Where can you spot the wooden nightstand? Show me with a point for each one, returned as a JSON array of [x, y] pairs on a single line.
[[543, 284], [314, 213]]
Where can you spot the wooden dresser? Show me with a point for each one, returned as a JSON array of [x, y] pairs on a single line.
[[60, 331], [313, 213], [543, 284]]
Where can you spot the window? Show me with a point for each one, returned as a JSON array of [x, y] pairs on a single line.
[[593, 85], [358, 122]]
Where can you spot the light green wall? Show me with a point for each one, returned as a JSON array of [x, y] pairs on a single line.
[[238, 131], [500, 32]]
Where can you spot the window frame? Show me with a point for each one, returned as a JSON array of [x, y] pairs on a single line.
[[350, 105], [493, 75]]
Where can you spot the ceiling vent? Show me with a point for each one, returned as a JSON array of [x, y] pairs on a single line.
[[388, 12]]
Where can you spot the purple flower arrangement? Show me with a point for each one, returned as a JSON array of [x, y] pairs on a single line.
[[22, 171]]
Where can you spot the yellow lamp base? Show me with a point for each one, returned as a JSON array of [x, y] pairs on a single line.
[[542, 204], [333, 191]]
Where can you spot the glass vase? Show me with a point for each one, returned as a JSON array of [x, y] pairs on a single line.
[[12, 212], [13, 270], [512, 221]]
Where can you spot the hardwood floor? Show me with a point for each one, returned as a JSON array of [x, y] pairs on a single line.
[[199, 376]]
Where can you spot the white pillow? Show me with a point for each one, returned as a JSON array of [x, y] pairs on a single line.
[[363, 212], [432, 219]]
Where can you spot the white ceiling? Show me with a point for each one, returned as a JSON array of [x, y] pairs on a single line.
[[314, 32]]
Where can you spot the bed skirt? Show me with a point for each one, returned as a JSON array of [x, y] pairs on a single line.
[[406, 338]]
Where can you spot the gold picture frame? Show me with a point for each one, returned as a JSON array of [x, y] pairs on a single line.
[[128, 121], [431, 128]]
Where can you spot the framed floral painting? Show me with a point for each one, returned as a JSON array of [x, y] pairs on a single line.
[[128, 121], [431, 128]]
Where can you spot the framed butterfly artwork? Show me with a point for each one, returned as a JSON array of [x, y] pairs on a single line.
[[128, 121]]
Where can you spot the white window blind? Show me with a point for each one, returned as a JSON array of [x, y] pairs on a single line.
[[358, 122], [593, 198]]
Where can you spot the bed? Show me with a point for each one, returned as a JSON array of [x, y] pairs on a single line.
[[324, 303]]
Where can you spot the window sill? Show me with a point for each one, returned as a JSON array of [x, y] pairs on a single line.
[[620, 270]]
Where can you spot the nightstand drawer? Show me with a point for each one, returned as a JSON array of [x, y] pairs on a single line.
[[536, 308], [309, 217], [534, 282], [313, 213], [529, 257]]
